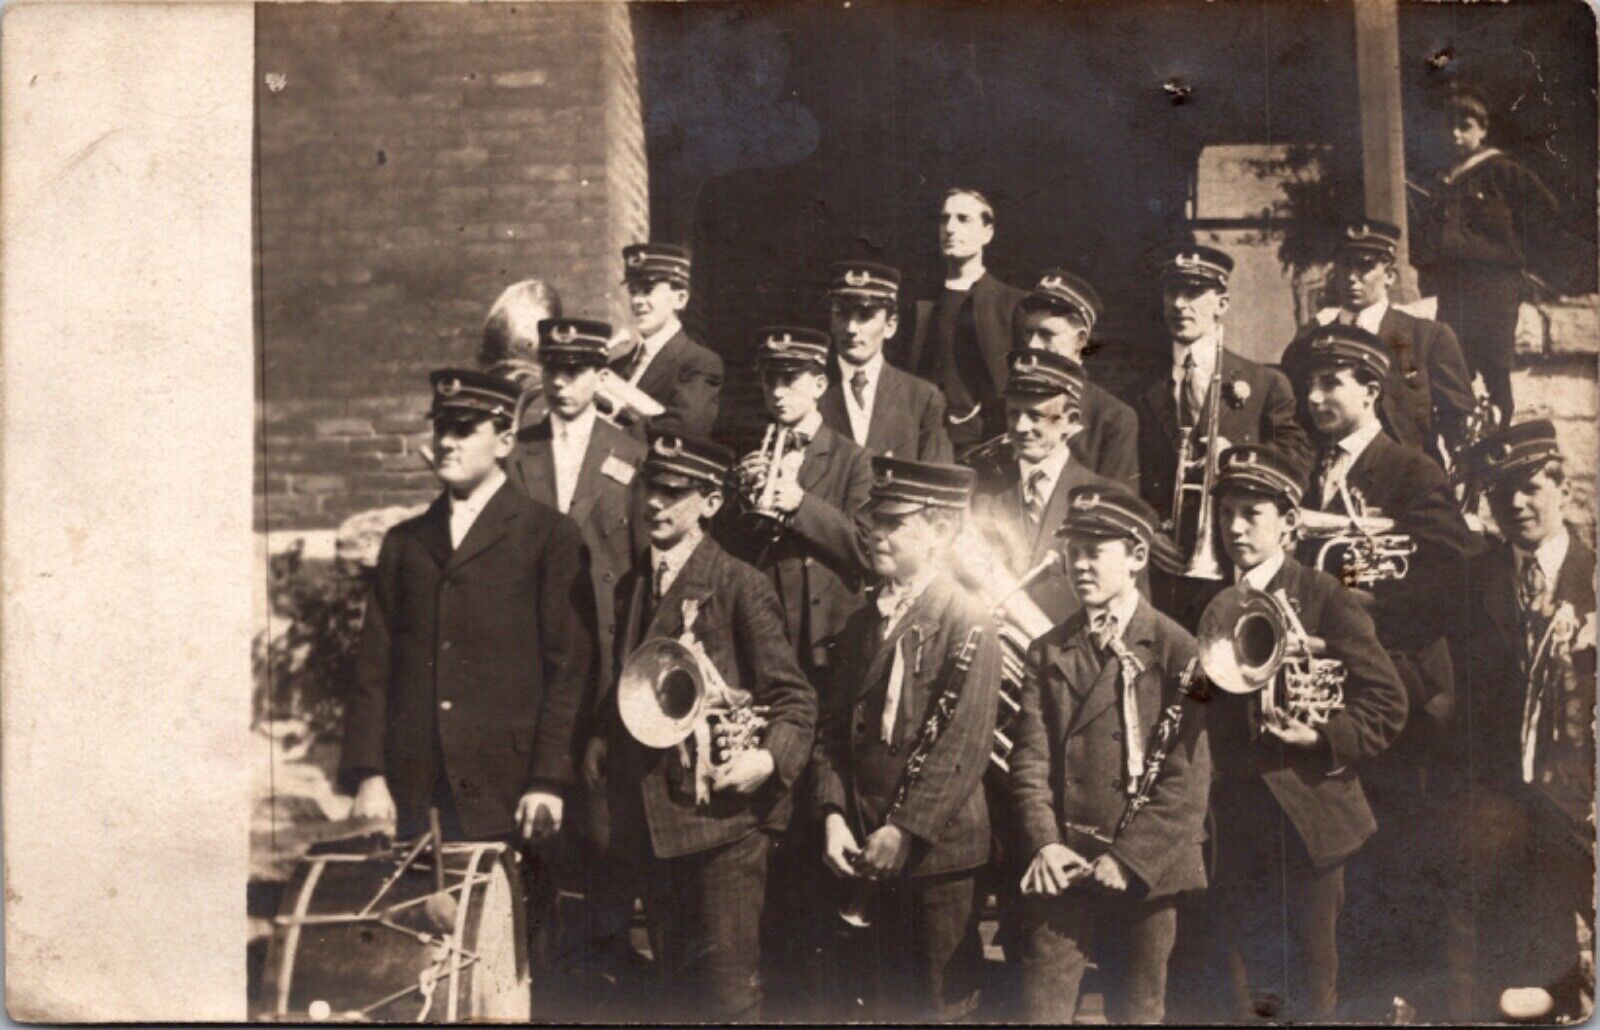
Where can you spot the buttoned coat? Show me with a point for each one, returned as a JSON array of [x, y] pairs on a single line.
[[819, 561], [856, 773], [740, 625], [686, 378], [1068, 771], [999, 516], [990, 310], [907, 416], [1318, 787], [1428, 394], [486, 649], [1414, 615], [606, 505], [1258, 407], [1496, 686]]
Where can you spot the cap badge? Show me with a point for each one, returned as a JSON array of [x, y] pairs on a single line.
[[857, 277], [1086, 502], [668, 446], [782, 340], [449, 387], [1052, 282], [635, 260], [563, 333]]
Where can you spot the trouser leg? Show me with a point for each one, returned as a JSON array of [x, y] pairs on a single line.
[[1058, 935], [1136, 942]]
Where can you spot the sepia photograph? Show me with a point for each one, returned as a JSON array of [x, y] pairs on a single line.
[[913, 512]]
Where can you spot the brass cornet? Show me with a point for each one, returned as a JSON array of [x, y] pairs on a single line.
[[758, 481], [1253, 641], [1360, 549]]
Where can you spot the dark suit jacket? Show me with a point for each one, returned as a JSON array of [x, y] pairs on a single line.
[[1109, 441], [1266, 416], [856, 773], [740, 625], [1496, 688], [907, 416], [998, 516], [1318, 788], [1428, 394], [820, 561], [1414, 615], [486, 649], [606, 506], [991, 307], [1068, 773], [687, 379]]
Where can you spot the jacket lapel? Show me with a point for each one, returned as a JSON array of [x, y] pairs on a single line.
[[885, 406], [1092, 679], [536, 464], [663, 367], [1072, 476], [921, 619], [1575, 583], [1158, 398], [693, 582], [586, 491], [492, 524], [834, 413], [434, 530], [986, 295], [815, 461]]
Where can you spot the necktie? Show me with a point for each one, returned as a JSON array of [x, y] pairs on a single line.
[[1189, 396], [1347, 317], [1532, 586], [1033, 497], [1330, 468], [893, 608], [858, 387], [1107, 635], [662, 569]]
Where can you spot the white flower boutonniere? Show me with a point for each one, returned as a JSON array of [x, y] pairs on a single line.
[[1237, 392]]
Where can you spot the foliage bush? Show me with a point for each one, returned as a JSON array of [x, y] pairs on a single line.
[[305, 658]]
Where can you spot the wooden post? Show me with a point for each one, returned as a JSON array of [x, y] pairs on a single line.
[[1383, 152]]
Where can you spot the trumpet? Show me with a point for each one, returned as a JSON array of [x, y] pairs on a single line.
[[1252, 641], [1483, 420], [669, 692], [1197, 473], [1361, 550], [989, 456], [758, 476]]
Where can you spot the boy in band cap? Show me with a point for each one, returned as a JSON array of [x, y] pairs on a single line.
[[1529, 666], [1286, 797], [1258, 405], [1427, 396], [1059, 315], [1360, 469], [1473, 238], [963, 333], [812, 544], [887, 411], [580, 463], [705, 864], [902, 749], [668, 364], [1107, 729]]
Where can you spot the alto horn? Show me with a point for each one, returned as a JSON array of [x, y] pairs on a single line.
[[1253, 641]]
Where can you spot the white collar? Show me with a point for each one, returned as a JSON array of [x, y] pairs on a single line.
[[1262, 574], [809, 424], [899, 597], [1121, 609], [967, 278], [1470, 162], [678, 554], [658, 339], [579, 427], [1205, 352], [1551, 554], [1359, 440], [480, 494], [1368, 318], [1053, 465], [873, 367]]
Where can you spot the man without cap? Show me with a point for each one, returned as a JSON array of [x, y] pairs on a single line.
[[1362, 470], [961, 337], [887, 411], [582, 464], [1059, 315], [812, 544], [1528, 665], [1474, 237], [668, 364], [1110, 776], [1287, 797], [1257, 402], [1427, 397], [902, 748], [704, 861]]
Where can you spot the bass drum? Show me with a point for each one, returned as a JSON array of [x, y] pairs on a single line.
[[368, 936]]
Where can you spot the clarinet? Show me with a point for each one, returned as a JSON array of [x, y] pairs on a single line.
[[933, 727]]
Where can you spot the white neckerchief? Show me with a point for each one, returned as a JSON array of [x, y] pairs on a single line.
[[1206, 351], [1052, 466], [966, 279], [651, 345], [569, 442], [860, 415], [1470, 162], [1368, 318], [1262, 574], [1550, 555], [464, 511], [1122, 608], [675, 557], [894, 601]]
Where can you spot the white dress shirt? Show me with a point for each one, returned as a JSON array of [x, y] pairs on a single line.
[[1550, 555], [675, 559], [860, 415], [1121, 608], [464, 511], [1262, 574], [1350, 448], [1052, 466], [893, 604], [569, 442], [1205, 351], [651, 345], [1368, 318]]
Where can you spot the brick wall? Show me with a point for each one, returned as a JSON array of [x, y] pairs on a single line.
[[413, 160]]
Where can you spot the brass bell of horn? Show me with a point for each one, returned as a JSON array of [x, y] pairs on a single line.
[[661, 692], [1242, 637]]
